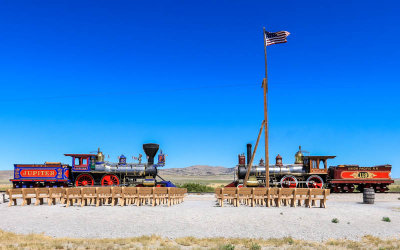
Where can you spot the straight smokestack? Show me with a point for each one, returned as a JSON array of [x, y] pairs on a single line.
[[248, 153]]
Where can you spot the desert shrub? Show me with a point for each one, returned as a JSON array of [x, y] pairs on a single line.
[[335, 220], [289, 240], [197, 188], [255, 246], [227, 247], [386, 219]]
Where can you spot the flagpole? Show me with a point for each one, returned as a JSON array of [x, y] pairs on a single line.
[[265, 88]]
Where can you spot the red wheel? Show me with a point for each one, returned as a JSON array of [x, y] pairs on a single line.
[[315, 181], [110, 180], [84, 180], [289, 181]]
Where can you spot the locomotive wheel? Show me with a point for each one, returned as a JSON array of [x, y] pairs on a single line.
[[349, 188], [289, 181], [315, 181], [84, 180], [380, 188], [110, 180], [384, 188], [336, 189]]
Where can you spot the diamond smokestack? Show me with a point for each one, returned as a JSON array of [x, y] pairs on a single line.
[[150, 149]]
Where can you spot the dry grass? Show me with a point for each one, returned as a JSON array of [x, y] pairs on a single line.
[[397, 209], [206, 180], [38, 241], [395, 187], [4, 187]]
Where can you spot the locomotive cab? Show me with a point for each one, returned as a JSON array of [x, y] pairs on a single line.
[[82, 162], [316, 164]]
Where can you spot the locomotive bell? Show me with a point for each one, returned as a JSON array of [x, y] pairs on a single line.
[[298, 157], [279, 160], [99, 156]]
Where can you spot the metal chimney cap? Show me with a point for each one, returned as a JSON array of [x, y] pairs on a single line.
[[151, 150]]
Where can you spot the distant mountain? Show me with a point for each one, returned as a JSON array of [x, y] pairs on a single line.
[[5, 176], [198, 170]]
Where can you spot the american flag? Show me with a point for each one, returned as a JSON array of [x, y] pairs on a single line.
[[275, 37]]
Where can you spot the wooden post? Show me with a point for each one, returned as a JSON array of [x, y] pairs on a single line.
[[265, 88], [252, 156]]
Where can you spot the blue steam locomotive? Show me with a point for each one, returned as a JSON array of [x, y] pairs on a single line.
[[93, 170]]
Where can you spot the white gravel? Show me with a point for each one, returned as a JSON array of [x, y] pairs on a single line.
[[199, 216]]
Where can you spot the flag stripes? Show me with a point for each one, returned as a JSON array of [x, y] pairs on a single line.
[[275, 37]]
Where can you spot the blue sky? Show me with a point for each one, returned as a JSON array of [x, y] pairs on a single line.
[[77, 75]]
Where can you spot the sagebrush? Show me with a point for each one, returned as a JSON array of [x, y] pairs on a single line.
[[197, 188]]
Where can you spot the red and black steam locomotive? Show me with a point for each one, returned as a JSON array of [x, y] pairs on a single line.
[[313, 172], [92, 169]]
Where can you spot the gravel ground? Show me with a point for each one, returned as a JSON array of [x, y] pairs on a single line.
[[199, 216]]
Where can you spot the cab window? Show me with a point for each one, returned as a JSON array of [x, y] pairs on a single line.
[[314, 164], [322, 164], [77, 162]]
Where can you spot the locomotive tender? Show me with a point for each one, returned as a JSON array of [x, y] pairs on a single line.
[[92, 169], [313, 172]]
